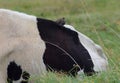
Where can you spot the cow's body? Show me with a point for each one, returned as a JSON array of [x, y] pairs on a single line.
[[20, 43], [27, 41]]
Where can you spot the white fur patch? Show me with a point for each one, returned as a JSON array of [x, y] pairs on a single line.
[[98, 57], [20, 42]]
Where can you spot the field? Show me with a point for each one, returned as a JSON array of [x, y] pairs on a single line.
[[98, 19]]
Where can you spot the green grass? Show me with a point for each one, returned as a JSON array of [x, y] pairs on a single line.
[[98, 19]]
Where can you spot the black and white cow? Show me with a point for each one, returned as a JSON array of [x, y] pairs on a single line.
[[28, 44]]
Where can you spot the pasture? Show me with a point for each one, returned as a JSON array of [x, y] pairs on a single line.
[[98, 19]]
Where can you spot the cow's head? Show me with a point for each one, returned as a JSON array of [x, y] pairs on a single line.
[[64, 50], [98, 57]]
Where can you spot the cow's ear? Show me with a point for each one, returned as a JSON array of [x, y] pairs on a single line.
[[61, 21]]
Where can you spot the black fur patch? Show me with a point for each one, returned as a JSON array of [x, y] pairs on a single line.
[[66, 39], [49, 27], [25, 75], [14, 72], [24, 82]]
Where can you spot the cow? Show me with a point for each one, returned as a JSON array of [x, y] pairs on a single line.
[[30, 45]]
